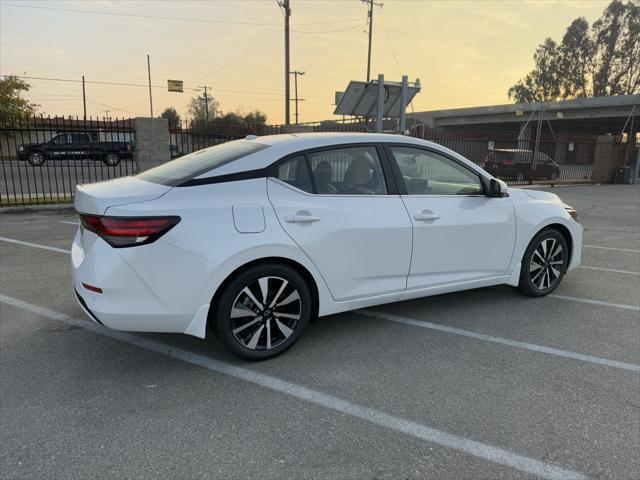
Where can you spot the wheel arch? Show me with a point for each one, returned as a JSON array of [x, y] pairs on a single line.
[[564, 231], [298, 267]]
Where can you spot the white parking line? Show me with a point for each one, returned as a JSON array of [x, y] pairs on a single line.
[[596, 302], [612, 248], [611, 270], [35, 245], [391, 422], [502, 341], [70, 223]]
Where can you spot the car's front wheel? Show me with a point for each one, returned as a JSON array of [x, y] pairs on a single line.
[[544, 263], [263, 311]]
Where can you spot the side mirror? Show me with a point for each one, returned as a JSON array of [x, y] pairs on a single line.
[[497, 188]]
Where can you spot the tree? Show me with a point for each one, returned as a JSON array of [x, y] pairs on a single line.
[[617, 54], [12, 104], [198, 112], [542, 83], [219, 122], [597, 60], [172, 116]]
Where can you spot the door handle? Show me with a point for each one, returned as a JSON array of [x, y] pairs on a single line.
[[301, 219], [426, 216]]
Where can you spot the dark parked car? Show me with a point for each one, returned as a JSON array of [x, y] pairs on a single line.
[[75, 146], [517, 164]]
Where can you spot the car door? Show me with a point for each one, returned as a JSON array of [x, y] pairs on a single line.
[[339, 207], [79, 147], [459, 234], [58, 146]]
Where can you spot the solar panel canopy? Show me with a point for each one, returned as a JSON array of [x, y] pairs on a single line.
[[361, 98]]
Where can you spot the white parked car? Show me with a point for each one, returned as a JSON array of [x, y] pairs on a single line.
[[253, 239]]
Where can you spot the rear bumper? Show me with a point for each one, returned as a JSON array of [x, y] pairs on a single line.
[[150, 288]]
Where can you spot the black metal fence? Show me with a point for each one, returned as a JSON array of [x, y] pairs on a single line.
[[556, 158], [42, 159]]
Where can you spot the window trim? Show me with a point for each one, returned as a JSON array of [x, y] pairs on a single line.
[[402, 188], [387, 172]]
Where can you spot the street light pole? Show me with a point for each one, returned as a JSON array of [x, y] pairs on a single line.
[[149, 74], [84, 100]]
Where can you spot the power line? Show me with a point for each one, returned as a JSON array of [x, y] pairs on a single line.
[[182, 19], [452, 42], [97, 82]]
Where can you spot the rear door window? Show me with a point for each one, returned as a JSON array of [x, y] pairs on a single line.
[[183, 169]]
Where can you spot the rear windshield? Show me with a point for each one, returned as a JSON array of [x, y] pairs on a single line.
[[190, 166]]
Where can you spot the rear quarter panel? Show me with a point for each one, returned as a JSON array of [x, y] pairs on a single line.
[[207, 230]]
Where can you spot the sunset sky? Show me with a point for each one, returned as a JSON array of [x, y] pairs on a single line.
[[465, 53]]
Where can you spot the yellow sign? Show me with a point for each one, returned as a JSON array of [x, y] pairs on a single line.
[[175, 85], [519, 112]]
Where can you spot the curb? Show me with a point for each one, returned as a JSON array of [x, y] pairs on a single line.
[[55, 208]]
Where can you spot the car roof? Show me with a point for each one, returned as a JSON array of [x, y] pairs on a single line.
[[311, 140]]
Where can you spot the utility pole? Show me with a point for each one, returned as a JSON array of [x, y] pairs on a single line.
[[84, 100], [371, 4], [295, 74], [206, 103], [537, 144], [150, 97], [284, 4], [106, 113]]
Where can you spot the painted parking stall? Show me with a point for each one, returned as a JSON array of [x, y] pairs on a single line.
[[560, 373]]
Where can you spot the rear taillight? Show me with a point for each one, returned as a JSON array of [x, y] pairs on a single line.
[[128, 231], [508, 162]]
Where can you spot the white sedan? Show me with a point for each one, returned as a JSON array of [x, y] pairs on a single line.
[[253, 239]]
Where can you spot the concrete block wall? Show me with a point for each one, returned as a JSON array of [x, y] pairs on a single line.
[[152, 142]]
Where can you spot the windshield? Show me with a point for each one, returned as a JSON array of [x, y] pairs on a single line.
[[190, 166]]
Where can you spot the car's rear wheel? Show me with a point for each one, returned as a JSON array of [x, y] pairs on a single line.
[[112, 159], [544, 263], [36, 159], [263, 311]]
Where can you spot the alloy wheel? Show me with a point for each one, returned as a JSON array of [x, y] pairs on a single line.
[[265, 313], [112, 160], [36, 159], [545, 268]]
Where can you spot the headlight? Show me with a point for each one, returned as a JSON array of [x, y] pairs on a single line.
[[21, 148], [573, 212]]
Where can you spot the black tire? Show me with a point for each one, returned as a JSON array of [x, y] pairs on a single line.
[[549, 251], [262, 336], [111, 159], [36, 159]]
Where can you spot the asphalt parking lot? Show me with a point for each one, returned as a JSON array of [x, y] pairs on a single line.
[[484, 384]]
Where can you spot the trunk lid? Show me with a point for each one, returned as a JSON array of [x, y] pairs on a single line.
[[95, 198]]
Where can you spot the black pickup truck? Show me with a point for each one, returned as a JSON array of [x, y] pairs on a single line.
[[75, 146]]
